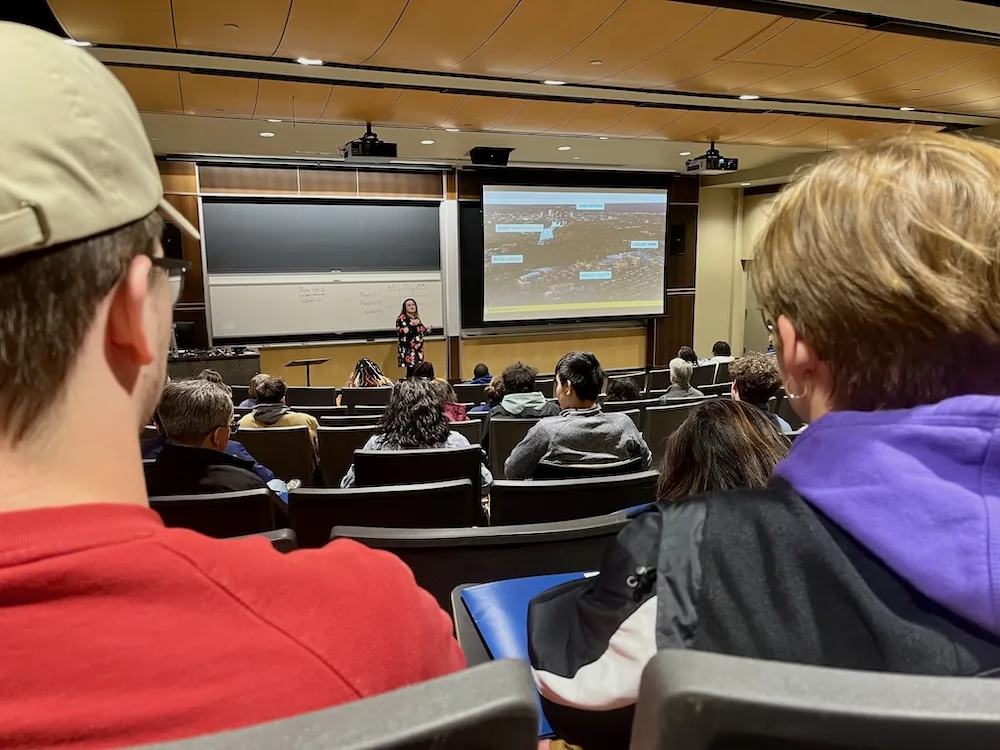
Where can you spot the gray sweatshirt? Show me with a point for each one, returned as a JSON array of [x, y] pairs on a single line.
[[578, 436]]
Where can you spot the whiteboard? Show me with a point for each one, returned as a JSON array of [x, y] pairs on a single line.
[[244, 305]]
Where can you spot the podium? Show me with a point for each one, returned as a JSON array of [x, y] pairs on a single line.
[[308, 363]]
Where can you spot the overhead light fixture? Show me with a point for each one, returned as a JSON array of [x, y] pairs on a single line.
[[685, 153], [427, 142], [267, 134], [746, 184], [308, 61], [550, 82], [577, 158], [597, 62], [565, 148], [452, 130], [602, 138], [272, 120], [231, 26], [907, 109], [78, 43], [749, 97]]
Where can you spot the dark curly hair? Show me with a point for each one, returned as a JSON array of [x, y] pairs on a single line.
[[414, 417], [756, 377]]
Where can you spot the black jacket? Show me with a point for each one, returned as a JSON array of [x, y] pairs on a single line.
[[189, 471], [749, 573]]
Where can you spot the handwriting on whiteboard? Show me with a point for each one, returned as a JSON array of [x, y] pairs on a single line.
[[370, 303], [310, 294]]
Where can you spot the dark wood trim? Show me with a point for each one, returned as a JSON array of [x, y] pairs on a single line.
[[454, 357], [762, 190]]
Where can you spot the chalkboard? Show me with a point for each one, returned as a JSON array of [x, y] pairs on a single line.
[[280, 236]]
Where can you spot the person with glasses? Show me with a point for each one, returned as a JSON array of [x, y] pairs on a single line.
[[118, 631]]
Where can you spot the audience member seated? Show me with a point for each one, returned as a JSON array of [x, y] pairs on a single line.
[[414, 419], [196, 416], [721, 353], [249, 403], [494, 394], [623, 389], [519, 399], [680, 382], [871, 548], [688, 355], [582, 433], [755, 380], [481, 374], [213, 376], [722, 445], [271, 411], [117, 631], [424, 370], [152, 447], [453, 410]]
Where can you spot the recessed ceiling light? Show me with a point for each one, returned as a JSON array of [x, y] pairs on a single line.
[[577, 158], [267, 134], [427, 142], [308, 61], [565, 148], [597, 62], [550, 82], [219, 109], [749, 97], [231, 26], [907, 109], [602, 138], [452, 130], [78, 43], [685, 153], [272, 120], [746, 184]]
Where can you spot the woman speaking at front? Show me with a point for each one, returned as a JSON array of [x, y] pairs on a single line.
[[411, 336]]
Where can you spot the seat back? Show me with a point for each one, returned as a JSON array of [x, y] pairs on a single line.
[[299, 395], [369, 410], [635, 409], [442, 559], [322, 411], [505, 434], [639, 378], [548, 500], [547, 386], [240, 393], [220, 514], [722, 373], [283, 540], [786, 412], [470, 429], [149, 432], [365, 396], [661, 422], [313, 513], [474, 392], [336, 449], [658, 380], [703, 375], [555, 470], [382, 468], [351, 420], [722, 389], [698, 700], [489, 707], [287, 451]]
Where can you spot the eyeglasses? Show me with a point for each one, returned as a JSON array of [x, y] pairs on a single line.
[[768, 323], [176, 270]]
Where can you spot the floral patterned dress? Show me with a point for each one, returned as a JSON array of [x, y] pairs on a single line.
[[411, 341]]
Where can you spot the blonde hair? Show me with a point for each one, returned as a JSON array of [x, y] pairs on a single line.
[[886, 259]]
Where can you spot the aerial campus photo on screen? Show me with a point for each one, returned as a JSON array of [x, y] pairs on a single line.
[[555, 253]]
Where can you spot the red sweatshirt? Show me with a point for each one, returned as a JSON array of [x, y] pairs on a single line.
[[117, 631]]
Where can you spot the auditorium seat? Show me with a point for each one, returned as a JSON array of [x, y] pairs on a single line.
[[722, 373], [698, 700], [336, 449], [658, 380], [639, 378], [474, 392], [298, 395], [505, 434], [314, 512], [149, 432], [369, 410], [352, 397], [381, 468], [283, 540], [703, 375], [635, 409], [241, 411], [351, 420], [490, 707], [287, 451], [321, 411], [548, 500], [547, 386], [442, 559], [722, 389], [471, 429], [661, 422], [240, 394], [220, 514], [786, 412], [556, 470]]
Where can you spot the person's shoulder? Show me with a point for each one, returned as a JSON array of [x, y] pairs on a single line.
[[299, 418], [457, 440]]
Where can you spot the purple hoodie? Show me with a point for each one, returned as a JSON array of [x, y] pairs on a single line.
[[920, 489]]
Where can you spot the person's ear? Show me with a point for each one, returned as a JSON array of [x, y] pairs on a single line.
[[734, 392], [806, 377], [131, 324]]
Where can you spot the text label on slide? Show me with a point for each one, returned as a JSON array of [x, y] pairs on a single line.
[[589, 206], [499, 259], [645, 244], [591, 275], [520, 228]]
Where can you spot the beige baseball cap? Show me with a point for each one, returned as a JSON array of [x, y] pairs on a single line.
[[74, 157]]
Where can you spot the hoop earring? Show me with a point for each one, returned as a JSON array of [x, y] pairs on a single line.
[[790, 394]]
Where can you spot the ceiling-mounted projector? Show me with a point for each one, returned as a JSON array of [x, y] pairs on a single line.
[[712, 163], [368, 148]]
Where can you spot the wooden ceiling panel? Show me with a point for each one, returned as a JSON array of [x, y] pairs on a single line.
[[785, 128], [146, 24], [152, 90], [959, 86], [239, 27], [797, 44], [644, 122], [593, 119], [440, 34], [483, 112], [357, 105], [291, 100], [539, 116], [619, 43], [537, 33], [218, 96], [731, 78], [742, 127], [697, 126], [423, 109], [343, 31]]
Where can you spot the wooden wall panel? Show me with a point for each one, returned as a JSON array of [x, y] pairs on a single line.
[[343, 182], [194, 290], [401, 184], [178, 177], [342, 360], [675, 330], [247, 180]]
